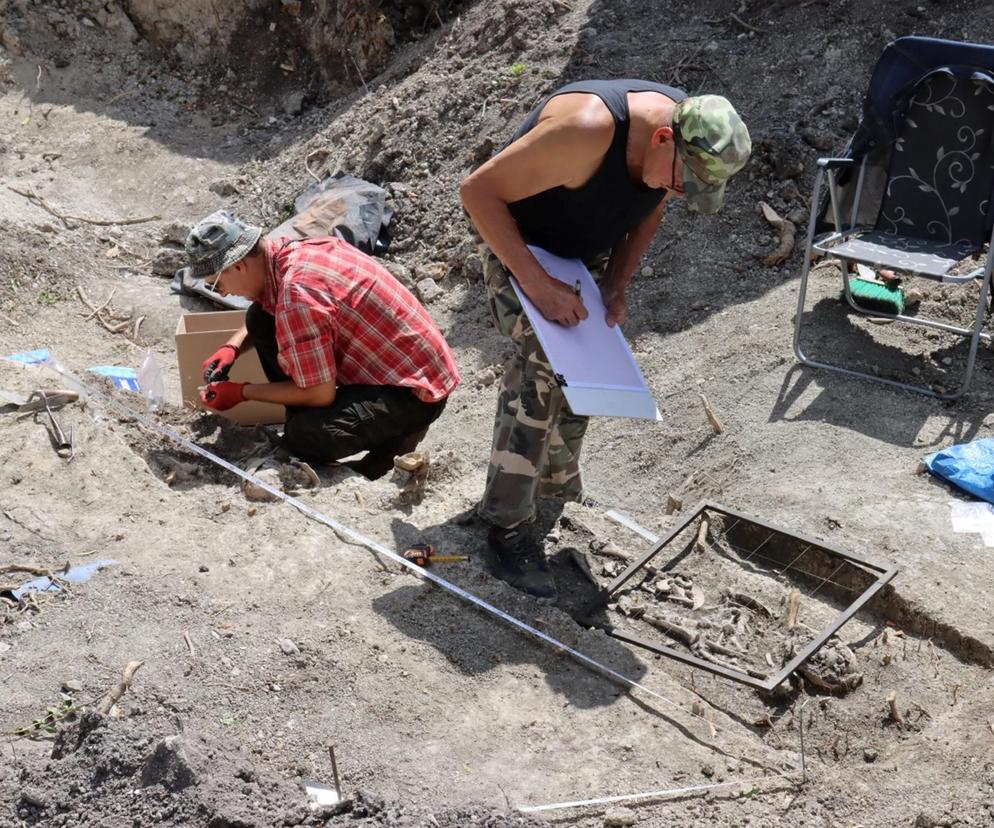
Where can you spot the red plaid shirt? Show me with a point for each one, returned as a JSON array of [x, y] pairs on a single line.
[[341, 317]]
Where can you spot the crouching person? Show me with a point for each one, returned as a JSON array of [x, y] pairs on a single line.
[[351, 353]]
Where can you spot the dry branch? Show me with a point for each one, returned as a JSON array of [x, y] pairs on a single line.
[[119, 689], [793, 605], [749, 602], [106, 309], [747, 26], [701, 543], [26, 569], [787, 231], [712, 420], [65, 218], [106, 304], [895, 714]]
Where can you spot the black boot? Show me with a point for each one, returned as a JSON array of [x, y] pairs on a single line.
[[522, 561], [379, 461]]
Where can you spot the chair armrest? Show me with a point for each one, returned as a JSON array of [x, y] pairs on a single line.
[[836, 163]]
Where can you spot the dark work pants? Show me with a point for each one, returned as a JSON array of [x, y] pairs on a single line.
[[383, 420]]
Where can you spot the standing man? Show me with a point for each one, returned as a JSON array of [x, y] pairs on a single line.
[[588, 175], [351, 353]]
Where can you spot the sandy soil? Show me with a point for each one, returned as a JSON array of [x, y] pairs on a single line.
[[264, 637]]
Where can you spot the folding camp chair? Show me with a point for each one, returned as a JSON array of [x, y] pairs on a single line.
[[912, 191]]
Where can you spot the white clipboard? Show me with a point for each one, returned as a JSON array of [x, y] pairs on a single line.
[[593, 363]]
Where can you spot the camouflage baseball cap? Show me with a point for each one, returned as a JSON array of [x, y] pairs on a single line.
[[714, 144], [219, 241]]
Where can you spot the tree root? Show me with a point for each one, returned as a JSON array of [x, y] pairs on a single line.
[[787, 230], [114, 694]]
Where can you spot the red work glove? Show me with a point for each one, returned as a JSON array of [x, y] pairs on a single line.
[[217, 365], [223, 395]]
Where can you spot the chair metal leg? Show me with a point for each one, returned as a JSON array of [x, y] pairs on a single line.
[[975, 340], [806, 267]]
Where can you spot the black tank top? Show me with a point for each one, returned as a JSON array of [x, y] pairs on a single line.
[[587, 222]]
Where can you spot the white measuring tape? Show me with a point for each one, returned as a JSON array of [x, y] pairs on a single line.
[[609, 800]]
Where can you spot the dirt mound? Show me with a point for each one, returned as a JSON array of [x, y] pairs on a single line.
[[140, 771]]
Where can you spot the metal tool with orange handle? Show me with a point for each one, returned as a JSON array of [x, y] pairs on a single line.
[[423, 554]]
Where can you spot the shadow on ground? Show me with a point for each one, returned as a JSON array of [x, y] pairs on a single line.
[[468, 639], [885, 413]]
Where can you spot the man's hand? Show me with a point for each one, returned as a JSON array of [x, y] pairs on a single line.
[[223, 395], [616, 303], [557, 302], [217, 365]]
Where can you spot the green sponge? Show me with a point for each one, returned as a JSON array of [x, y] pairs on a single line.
[[875, 296]]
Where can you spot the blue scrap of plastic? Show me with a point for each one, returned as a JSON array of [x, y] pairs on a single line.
[[75, 575], [969, 466], [35, 357], [125, 378]]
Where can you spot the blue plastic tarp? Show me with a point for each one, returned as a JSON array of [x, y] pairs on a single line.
[[969, 466]]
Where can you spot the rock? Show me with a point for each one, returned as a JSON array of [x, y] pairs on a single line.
[[288, 647], [428, 290], [619, 817], [482, 151], [35, 797], [400, 272], [112, 18], [869, 755], [293, 104], [72, 686], [268, 474], [4, 646], [433, 270], [472, 266], [486, 377], [10, 42], [167, 261], [223, 187], [647, 271], [169, 766], [174, 234]]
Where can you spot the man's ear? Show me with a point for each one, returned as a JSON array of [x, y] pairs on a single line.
[[662, 136]]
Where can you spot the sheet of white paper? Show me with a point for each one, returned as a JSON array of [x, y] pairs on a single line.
[[973, 517], [601, 374]]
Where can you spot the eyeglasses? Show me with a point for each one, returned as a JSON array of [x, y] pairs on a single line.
[[213, 285], [678, 190]]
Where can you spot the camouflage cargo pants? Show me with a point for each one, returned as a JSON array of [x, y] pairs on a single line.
[[537, 439]]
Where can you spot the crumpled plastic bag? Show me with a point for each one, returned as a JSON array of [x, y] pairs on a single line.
[[343, 206], [968, 466]]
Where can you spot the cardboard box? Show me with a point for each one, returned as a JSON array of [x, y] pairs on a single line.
[[198, 335]]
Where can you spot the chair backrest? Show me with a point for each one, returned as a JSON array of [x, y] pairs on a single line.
[[941, 173]]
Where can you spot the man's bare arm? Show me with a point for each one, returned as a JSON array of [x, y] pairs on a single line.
[[288, 393], [625, 257], [560, 151]]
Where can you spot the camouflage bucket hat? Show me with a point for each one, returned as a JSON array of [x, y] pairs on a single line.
[[219, 241], [714, 144]]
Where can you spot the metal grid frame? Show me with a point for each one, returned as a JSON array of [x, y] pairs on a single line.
[[883, 576]]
